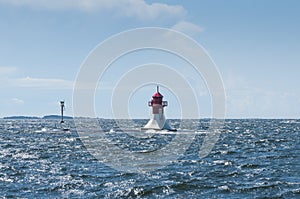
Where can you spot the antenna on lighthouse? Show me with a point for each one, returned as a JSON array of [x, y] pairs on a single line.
[[62, 108], [157, 88]]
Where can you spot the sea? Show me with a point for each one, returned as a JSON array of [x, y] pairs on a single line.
[[252, 158]]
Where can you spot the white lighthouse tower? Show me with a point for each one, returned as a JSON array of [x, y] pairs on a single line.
[[158, 120]]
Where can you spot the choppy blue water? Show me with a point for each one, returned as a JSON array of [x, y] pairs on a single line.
[[252, 159]]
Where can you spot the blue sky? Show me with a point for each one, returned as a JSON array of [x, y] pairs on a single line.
[[255, 45]]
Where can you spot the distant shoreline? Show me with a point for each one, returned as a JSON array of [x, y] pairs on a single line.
[[35, 117], [58, 117]]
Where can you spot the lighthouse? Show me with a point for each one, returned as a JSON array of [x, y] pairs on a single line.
[[158, 120]]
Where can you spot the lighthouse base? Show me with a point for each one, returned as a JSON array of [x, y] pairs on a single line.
[[158, 123]]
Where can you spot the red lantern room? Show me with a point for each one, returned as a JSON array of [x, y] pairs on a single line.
[[157, 102]]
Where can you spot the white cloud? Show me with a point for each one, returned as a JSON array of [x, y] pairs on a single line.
[[48, 83], [17, 101], [43, 83], [258, 103], [130, 8], [188, 28], [4, 70]]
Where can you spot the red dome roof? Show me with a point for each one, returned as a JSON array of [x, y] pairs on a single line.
[[157, 94]]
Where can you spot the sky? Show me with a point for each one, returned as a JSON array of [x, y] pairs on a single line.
[[254, 44]]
